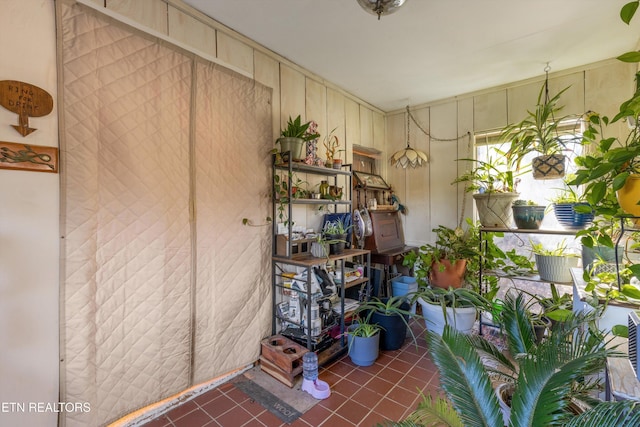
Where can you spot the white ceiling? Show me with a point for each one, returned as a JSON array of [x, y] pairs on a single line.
[[430, 49]]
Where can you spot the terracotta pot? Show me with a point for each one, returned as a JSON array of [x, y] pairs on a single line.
[[629, 196], [451, 276]]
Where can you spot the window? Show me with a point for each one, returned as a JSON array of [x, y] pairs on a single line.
[[541, 192]]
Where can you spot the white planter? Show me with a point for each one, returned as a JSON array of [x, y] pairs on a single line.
[[555, 269], [319, 250], [462, 318], [494, 209], [614, 314]]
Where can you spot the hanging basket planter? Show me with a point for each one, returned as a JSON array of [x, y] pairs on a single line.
[[548, 167]]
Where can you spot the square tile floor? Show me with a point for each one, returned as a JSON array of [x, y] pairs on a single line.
[[360, 396]]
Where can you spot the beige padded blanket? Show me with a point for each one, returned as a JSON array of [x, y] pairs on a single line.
[[163, 154]]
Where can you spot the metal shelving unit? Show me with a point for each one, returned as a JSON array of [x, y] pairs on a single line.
[[302, 261], [532, 278]]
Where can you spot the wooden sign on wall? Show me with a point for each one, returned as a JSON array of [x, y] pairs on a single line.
[[28, 157], [26, 100]]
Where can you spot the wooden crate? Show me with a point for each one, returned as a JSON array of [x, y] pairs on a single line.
[[283, 352], [299, 248]]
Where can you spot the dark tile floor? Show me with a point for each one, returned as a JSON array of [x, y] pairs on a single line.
[[360, 396]]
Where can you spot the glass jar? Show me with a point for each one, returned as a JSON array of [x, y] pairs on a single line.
[[324, 189]]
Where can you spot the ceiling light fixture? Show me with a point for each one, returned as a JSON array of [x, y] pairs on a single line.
[[381, 7], [409, 156]]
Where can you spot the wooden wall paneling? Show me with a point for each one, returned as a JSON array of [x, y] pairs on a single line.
[[465, 150], [292, 104], [234, 52], [316, 104], [151, 13], [379, 142], [316, 109], [292, 97], [336, 120], [417, 185], [490, 110], [378, 131], [521, 99], [366, 126], [352, 124], [396, 140], [191, 31], [267, 72], [572, 99], [606, 88], [443, 165]]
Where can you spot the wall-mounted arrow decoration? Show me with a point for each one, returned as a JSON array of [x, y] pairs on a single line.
[[26, 100]]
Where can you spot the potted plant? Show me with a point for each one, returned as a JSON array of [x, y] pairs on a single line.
[[538, 133], [570, 208], [554, 265], [456, 307], [286, 188], [494, 188], [392, 316], [455, 244], [320, 246], [546, 379], [293, 138], [336, 233], [527, 215], [598, 244], [363, 342], [444, 262]]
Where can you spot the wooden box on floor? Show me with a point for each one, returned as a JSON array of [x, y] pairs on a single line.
[[282, 358]]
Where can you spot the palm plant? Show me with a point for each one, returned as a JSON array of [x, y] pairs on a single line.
[[547, 376]]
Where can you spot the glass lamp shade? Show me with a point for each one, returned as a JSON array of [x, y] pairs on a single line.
[[409, 157], [381, 7]]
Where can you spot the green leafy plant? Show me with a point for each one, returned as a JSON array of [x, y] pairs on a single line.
[[364, 329], [336, 227], [296, 129], [495, 175], [538, 132], [389, 307], [559, 250], [521, 202], [547, 376], [568, 194], [452, 297], [460, 244], [281, 191]]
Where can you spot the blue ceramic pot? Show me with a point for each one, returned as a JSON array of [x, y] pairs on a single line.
[[528, 217], [569, 218]]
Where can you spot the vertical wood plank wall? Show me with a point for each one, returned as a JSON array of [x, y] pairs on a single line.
[[426, 192]]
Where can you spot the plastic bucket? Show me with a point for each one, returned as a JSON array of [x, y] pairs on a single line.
[[403, 285]]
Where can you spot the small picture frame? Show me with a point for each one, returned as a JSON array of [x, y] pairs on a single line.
[[369, 180]]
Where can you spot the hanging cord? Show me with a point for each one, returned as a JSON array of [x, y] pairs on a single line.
[[546, 100], [468, 134], [433, 138]]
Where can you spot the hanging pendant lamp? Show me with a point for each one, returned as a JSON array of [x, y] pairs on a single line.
[[409, 156], [381, 7]]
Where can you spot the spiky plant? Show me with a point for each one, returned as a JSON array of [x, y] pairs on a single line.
[[548, 377]]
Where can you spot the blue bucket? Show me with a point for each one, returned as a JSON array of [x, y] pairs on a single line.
[[403, 285]]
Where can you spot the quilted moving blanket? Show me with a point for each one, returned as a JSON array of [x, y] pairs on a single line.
[[163, 154]]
